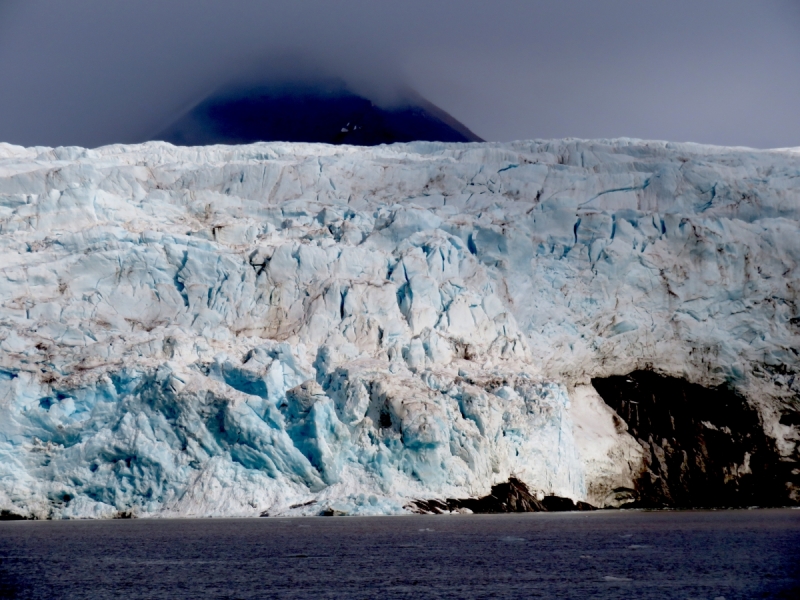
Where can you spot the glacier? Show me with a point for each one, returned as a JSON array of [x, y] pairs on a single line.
[[285, 329]]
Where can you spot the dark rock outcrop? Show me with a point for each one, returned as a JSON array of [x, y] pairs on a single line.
[[512, 496], [705, 447], [7, 515], [560, 504]]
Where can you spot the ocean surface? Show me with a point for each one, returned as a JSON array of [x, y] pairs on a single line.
[[698, 554]]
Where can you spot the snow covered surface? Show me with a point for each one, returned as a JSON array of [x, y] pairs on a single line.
[[286, 328]]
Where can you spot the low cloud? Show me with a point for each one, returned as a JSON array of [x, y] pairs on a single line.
[[91, 72]]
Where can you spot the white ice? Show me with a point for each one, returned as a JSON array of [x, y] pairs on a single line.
[[287, 328]]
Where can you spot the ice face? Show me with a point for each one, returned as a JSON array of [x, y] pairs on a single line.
[[286, 328]]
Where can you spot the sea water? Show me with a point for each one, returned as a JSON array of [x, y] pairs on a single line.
[[623, 554]]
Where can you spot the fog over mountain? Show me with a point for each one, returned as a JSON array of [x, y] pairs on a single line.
[[323, 111], [91, 72]]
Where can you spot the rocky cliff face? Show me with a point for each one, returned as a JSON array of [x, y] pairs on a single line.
[[295, 328], [704, 447]]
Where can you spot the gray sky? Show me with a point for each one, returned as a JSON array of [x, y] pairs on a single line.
[[92, 72]]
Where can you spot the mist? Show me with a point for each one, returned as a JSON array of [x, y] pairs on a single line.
[[92, 72]]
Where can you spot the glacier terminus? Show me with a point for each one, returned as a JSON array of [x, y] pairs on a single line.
[[292, 329]]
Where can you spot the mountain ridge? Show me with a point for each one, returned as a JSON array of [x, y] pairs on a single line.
[[314, 112]]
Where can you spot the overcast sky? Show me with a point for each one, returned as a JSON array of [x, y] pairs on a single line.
[[92, 72]]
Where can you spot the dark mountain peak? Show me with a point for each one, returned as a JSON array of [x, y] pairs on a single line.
[[319, 111]]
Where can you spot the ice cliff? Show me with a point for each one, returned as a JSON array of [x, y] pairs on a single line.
[[289, 328]]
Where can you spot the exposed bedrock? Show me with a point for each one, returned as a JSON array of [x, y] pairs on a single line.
[[512, 496], [288, 328], [509, 497], [703, 446]]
